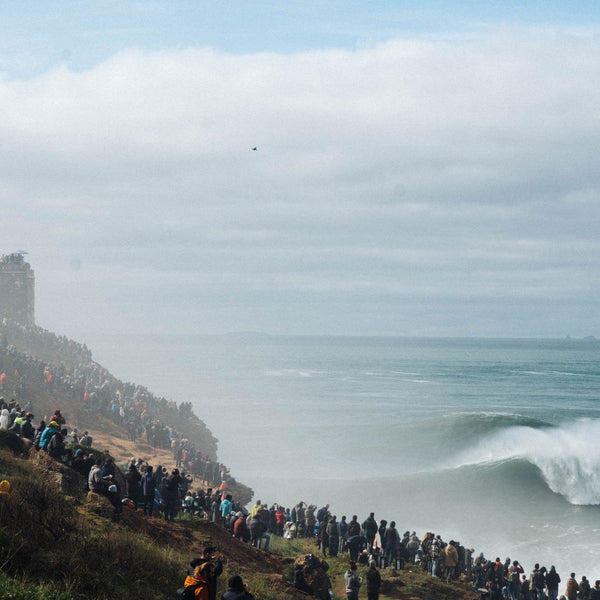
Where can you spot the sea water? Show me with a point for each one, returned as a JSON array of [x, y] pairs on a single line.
[[494, 443]]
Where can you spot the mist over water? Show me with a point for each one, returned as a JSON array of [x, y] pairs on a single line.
[[491, 442]]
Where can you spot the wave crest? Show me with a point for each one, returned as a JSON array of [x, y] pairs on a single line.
[[568, 456]]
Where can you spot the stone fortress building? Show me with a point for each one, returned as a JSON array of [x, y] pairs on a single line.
[[17, 287]]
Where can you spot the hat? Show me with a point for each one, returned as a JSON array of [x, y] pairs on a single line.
[[53, 424]]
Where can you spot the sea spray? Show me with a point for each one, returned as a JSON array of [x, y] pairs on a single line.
[[568, 456]]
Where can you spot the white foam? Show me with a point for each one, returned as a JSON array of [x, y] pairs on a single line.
[[567, 456]]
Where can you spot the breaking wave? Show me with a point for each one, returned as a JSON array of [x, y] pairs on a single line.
[[568, 456]]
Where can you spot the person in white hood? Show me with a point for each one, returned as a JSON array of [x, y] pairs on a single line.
[[5, 419]]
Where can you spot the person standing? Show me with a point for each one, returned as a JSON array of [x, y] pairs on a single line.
[[595, 591], [450, 560], [132, 483], [226, 507], [373, 582], [323, 535], [584, 588], [391, 542], [353, 582], [552, 581], [533, 595], [172, 495], [513, 578], [370, 528], [333, 535], [343, 530], [572, 588], [148, 485]]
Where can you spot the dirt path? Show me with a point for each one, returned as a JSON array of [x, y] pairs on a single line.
[[122, 450]]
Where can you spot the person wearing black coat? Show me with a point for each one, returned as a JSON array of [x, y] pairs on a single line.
[[237, 590], [132, 483], [552, 581], [27, 429], [356, 545], [148, 486], [373, 582], [172, 494]]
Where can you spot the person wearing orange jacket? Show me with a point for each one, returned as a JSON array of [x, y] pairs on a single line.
[[198, 583]]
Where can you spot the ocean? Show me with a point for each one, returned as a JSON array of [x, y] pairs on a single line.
[[494, 443]]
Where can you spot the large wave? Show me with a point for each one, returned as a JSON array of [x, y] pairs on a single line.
[[427, 444], [477, 424], [567, 456]]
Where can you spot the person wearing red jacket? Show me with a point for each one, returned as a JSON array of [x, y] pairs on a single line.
[[240, 528], [280, 519]]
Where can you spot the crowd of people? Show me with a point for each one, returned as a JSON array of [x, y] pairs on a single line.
[[72, 369], [381, 545], [133, 407], [151, 489]]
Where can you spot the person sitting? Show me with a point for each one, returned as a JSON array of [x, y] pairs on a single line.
[[240, 529], [237, 590], [56, 448], [27, 429], [97, 483], [85, 439], [47, 434]]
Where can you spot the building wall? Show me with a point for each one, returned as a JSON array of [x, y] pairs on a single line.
[[17, 289]]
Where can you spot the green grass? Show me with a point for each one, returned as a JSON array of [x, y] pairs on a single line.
[[15, 588], [44, 538]]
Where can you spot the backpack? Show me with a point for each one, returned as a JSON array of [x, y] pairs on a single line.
[[538, 579], [353, 528]]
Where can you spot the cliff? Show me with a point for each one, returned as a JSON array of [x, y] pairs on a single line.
[[44, 372]]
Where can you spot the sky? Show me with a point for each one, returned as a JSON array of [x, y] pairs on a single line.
[[421, 168]]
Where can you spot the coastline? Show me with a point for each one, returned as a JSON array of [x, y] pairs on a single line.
[[309, 415], [382, 500]]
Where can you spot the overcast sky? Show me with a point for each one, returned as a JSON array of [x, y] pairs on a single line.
[[422, 168]]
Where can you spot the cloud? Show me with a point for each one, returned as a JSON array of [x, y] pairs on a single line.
[[409, 175]]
